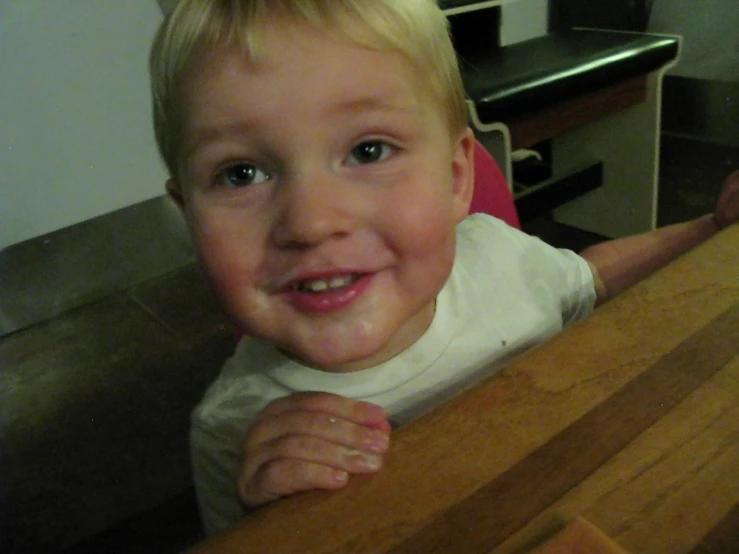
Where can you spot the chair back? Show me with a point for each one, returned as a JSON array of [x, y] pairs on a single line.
[[492, 195]]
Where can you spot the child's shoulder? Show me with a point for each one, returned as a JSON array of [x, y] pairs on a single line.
[[486, 229], [485, 240]]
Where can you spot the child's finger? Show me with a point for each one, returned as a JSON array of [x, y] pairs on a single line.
[[267, 461], [316, 450], [302, 463], [316, 434], [363, 413], [727, 207], [284, 477], [293, 426]]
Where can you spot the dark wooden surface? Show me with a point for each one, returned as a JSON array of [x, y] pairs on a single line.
[[95, 408], [629, 419]]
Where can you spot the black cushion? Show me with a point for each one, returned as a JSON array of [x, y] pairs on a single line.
[[518, 79]]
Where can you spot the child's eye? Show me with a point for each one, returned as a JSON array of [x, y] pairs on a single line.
[[242, 175], [370, 151]]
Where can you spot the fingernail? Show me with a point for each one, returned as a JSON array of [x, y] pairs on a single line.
[[364, 461], [341, 476], [377, 442]]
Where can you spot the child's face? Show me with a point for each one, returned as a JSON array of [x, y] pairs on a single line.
[[322, 193]]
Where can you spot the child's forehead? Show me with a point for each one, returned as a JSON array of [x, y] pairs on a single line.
[[229, 92], [292, 52], [278, 39]]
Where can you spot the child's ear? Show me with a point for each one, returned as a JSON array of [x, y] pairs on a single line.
[[175, 193], [463, 174]]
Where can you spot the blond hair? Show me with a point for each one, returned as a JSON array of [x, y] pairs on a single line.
[[416, 29]]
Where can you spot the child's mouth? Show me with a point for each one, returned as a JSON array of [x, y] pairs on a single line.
[[318, 286], [319, 295]]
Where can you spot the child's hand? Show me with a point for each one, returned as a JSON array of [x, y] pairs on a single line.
[[310, 441], [727, 208]]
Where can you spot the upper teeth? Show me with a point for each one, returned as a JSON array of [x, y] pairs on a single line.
[[321, 285]]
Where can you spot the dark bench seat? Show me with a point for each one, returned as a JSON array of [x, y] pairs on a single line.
[[94, 419], [538, 73]]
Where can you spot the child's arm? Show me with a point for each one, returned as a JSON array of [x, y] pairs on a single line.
[[310, 441], [620, 263]]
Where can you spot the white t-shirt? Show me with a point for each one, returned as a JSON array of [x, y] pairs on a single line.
[[507, 292]]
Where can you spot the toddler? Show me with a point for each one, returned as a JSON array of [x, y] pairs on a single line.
[[320, 154]]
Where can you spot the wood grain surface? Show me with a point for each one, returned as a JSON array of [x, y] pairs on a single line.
[[629, 419]]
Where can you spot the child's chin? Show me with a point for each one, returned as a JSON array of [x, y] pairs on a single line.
[[344, 362]]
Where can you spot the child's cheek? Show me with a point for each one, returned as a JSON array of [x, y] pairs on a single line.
[[428, 230], [223, 254]]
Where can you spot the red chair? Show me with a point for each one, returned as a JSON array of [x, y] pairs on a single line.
[[492, 195]]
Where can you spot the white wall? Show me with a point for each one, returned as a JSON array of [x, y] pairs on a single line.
[[75, 124], [711, 36], [523, 20]]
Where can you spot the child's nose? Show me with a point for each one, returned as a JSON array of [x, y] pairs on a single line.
[[312, 210]]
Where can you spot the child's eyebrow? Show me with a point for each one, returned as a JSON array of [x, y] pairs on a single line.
[[207, 135], [373, 103]]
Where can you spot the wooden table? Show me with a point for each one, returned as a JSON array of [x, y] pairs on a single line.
[[629, 419]]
